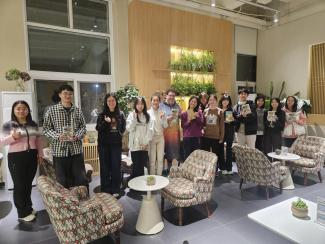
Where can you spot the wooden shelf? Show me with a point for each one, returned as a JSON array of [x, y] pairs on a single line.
[[185, 71]]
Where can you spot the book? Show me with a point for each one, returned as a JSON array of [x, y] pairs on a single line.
[[229, 116], [246, 109]]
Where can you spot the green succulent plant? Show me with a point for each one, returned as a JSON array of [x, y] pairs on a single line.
[[299, 204]]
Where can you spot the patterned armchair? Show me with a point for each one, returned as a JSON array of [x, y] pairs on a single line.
[[254, 166], [191, 183], [311, 149], [75, 217]]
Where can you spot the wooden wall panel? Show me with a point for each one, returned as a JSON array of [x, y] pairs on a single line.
[[154, 28]]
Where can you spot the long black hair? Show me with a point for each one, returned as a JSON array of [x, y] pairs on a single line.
[[258, 97], [224, 98], [106, 111], [295, 105], [29, 119], [143, 101], [197, 103], [279, 108]]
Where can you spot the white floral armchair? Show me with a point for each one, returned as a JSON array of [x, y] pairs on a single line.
[[311, 149], [191, 183], [77, 218], [253, 166]]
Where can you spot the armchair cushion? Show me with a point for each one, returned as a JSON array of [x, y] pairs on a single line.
[[192, 169], [175, 172], [304, 162], [80, 192], [112, 209], [180, 188], [306, 151]]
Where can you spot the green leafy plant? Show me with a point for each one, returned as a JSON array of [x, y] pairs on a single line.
[[126, 96], [299, 204], [187, 85], [19, 77]]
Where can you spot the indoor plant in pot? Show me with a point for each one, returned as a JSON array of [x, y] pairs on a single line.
[[299, 208]]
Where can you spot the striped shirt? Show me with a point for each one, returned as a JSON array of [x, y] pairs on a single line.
[[54, 120]]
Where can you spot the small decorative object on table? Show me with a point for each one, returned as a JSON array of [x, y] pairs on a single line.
[[299, 208], [277, 151], [19, 77], [151, 180]]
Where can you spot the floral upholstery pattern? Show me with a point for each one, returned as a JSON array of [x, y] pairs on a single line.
[[192, 182], [254, 166], [75, 218], [311, 149]]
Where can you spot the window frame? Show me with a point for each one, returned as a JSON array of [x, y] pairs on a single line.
[[77, 78]]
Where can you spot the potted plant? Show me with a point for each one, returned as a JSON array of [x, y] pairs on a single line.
[[151, 180], [299, 208], [19, 77]]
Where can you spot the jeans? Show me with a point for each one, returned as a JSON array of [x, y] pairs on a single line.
[[110, 167], [259, 144], [70, 171], [23, 167], [190, 144]]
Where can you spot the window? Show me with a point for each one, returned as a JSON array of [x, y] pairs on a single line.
[[51, 50], [44, 99], [51, 12], [90, 15], [92, 99], [69, 41], [246, 68]]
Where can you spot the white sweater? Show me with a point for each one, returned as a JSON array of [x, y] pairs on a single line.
[[159, 122], [140, 133]]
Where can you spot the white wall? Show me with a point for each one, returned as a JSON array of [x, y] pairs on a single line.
[[245, 40], [283, 54]]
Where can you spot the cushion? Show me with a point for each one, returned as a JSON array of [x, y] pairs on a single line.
[[112, 209], [191, 169], [180, 188], [69, 195], [305, 150], [304, 162]]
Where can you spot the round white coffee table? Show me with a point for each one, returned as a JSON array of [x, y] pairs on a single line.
[[149, 220], [287, 183]]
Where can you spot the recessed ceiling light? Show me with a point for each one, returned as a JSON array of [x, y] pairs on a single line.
[[276, 18], [213, 3]]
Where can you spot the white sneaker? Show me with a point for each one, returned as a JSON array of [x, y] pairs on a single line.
[[224, 172], [28, 218], [230, 172]]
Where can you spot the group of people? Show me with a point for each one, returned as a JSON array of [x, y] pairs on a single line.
[[154, 136]]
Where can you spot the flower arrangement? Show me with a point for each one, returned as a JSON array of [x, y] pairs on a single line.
[[19, 77]]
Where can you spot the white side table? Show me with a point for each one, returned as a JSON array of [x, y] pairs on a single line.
[[149, 220], [287, 182]]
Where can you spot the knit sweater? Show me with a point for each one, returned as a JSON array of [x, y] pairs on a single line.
[[214, 123]]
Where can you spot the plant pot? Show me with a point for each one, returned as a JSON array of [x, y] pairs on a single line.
[[299, 212], [151, 180]]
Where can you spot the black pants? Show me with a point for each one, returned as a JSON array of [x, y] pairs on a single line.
[[139, 160], [23, 167], [70, 171], [225, 163], [259, 143], [110, 167], [272, 141], [190, 144], [289, 141]]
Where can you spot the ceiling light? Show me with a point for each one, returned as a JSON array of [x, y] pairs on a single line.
[[213, 3]]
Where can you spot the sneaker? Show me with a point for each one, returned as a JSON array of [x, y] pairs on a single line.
[[224, 172], [116, 195], [229, 172], [28, 218]]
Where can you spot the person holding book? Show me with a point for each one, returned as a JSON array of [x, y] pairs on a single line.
[[246, 120], [110, 126], [295, 121], [172, 111], [213, 130], [25, 150], [229, 125], [192, 123], [260, 110], [157, 144], [140, 128], [274, 120], [65, 126]]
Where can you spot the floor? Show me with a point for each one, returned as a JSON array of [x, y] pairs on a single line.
[[228, 224]]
